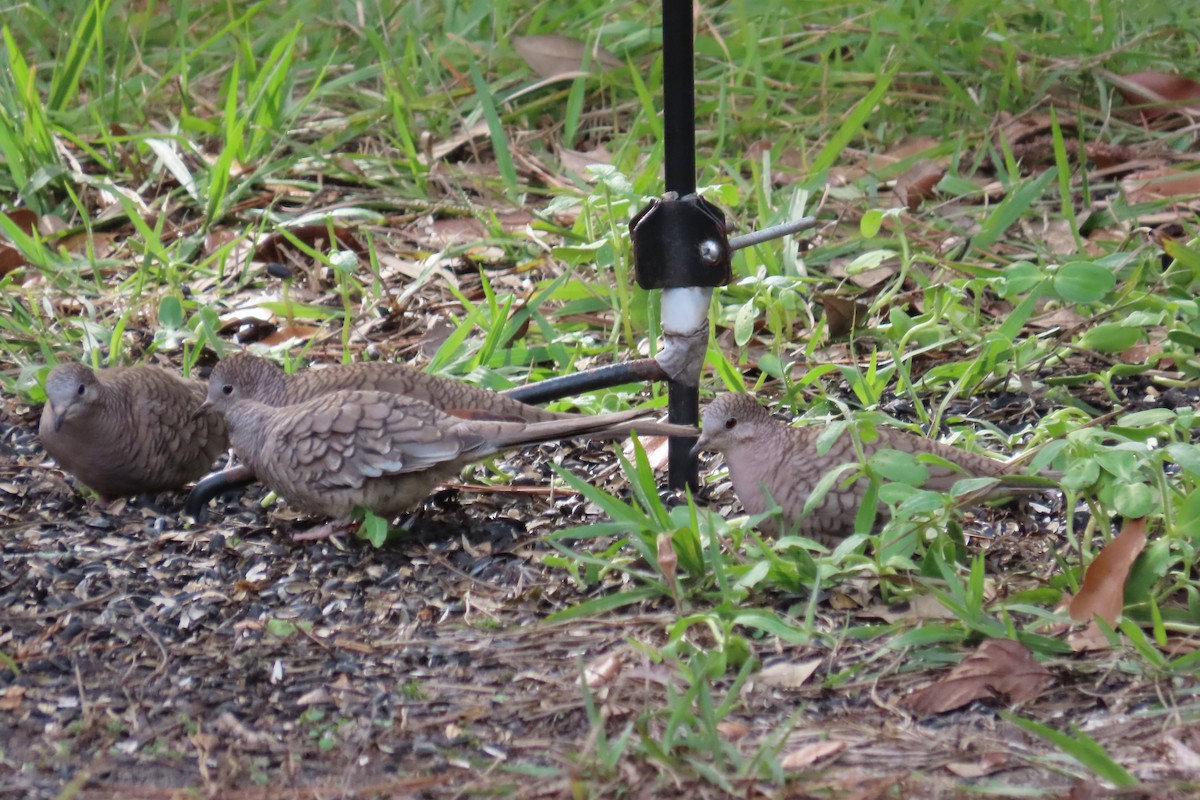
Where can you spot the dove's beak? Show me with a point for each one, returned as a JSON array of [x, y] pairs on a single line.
[[204, 408], [61, 413], [700, 445], [56, 417]]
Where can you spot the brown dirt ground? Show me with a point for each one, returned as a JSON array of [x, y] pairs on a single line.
[[150, 658]]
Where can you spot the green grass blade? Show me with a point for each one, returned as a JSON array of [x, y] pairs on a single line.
[[1011, 209], [487, 105], [64, 85], [601, 605], [833, 149], [1080, 747]]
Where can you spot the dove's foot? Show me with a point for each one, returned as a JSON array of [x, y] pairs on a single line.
[[326, 531]]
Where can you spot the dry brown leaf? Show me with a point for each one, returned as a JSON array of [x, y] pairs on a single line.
[[1106, 155], [919, 183], [1030, 138], [1103, 591], [405, 270], [659, 675], [51, 225], [1182, 755], [986, 765], [810, 754], [516, 219], [24, 219], [315, 697], [793, 161], [12, 697], [1089, 640], [657, 450], [10, 257], [788, 674], [840, 601], [668, 561], [733, 731], [436, 333], [578, 161], [461, 230], [1143, 352], [1016, 130], [101, 245], [236, 168], [1180, 647], [1062, 317], [551, 55], [919, 608], [273, 246], [842, 314], [989, 191], [457, 230], [1157, 184], [1162, 91], [904, 149], [604, 669], [343, 643], [1057, 235], [287, 333], [1083, 790], [214, 240], [862, 277], [756, 149], [478, 132], [998, 666], [844, 175]]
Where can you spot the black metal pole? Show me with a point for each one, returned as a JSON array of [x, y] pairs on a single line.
[[679, 98], [687, 247], [679, 159], [643, 370]]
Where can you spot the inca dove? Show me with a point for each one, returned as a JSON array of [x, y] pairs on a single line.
[[128, 430], [272, 386], [375, 450], [764, 452]]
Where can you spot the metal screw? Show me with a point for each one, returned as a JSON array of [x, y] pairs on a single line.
[[710, 251]]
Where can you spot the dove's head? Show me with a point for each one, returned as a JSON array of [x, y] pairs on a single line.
[[242, 376], [71, 390], [729, 421]]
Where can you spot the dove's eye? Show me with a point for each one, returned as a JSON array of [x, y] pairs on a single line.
[[730, 423], [227, 389]]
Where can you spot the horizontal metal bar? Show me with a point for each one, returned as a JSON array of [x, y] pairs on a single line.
[[773, 232], [640, 371]]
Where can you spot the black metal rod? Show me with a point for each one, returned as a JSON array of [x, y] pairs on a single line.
[[215, 484], [683, 408], [773, 232], [679, 98], [641, 371], [679, 171]]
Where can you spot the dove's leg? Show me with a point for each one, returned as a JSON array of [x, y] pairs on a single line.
[[337, 527]]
